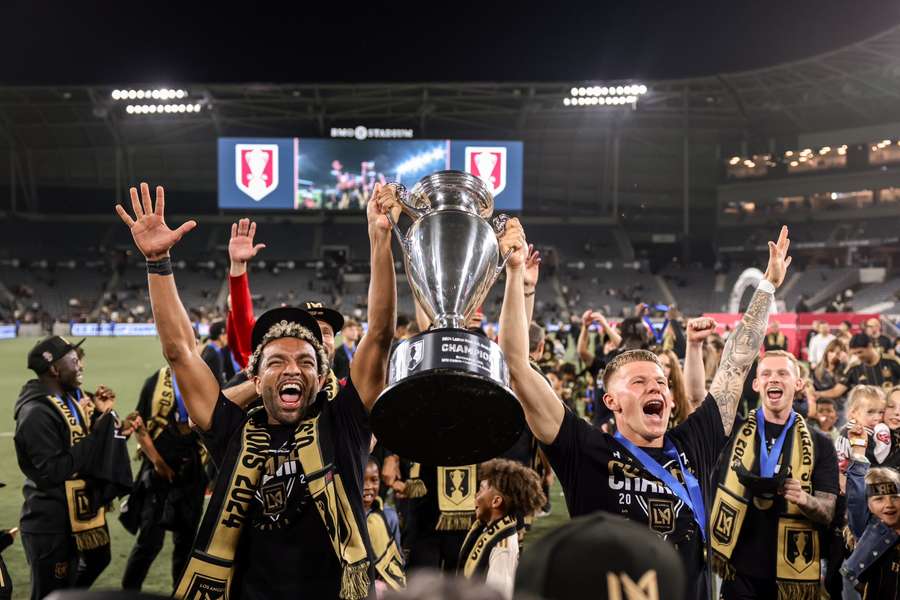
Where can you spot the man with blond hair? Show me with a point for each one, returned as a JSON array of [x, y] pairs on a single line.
[[777, 487], [642, 472]]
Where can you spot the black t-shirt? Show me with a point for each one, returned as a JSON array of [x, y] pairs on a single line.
[[598, 473], [753, 553], [284, 550], [885, 374]]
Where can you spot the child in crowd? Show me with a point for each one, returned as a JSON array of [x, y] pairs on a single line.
[[865, 408], [508, 492], [873, 503], [384, 533], [892, 421], [826, 418]]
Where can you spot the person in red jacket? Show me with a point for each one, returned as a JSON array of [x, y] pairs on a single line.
[[239, 325]]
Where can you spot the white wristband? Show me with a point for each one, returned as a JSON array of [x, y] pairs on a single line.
[[765, 286]]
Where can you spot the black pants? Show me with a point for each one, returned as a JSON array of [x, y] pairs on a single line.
[[149, 542], [749, 588], [56, 563], [438, 550]]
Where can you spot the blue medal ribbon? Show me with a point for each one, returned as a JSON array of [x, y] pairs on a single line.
[[768, 460], [692, 495], [182, 416], [72, 407]]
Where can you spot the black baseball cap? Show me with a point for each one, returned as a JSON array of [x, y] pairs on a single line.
[[49, 350], [553, 567], [289, 314], [323, 313], [860, 340]]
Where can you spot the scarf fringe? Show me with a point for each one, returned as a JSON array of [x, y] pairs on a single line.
[[456, 521], [798, 591], [722, 567], [92, 539], [415, 488], [355, 581]]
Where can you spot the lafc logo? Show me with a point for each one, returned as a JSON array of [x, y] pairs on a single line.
[[206, 588], [662, 516], [620, 586], [274, 498], [723, 527], [83, 506]]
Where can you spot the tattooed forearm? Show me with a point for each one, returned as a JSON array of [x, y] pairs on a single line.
[[740, 350], [820, 507]]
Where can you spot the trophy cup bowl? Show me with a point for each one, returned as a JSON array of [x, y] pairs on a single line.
[[448, 400]]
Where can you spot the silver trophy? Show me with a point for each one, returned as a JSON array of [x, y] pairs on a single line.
[[448, 400]]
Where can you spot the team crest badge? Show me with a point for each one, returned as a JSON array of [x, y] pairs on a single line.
[[414, 354], [799, 548], [457, 484], [489, 164], [723, 527], [206, 588], [662, 516], [256, 169]]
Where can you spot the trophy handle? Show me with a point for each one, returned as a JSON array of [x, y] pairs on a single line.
[[408, 208], [499, 225]]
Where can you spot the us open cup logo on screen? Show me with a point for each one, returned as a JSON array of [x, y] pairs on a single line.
[[256, 169], [489, 164]]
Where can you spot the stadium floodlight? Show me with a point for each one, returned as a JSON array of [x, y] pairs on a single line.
[[734, 160], [155, 94], [605, 95], [145, 109]]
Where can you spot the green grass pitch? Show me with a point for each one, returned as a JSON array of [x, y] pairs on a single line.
[[121, 364]]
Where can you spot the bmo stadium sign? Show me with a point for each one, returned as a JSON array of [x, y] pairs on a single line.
[[301, 174]]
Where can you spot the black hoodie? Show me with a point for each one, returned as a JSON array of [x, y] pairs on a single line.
[[47, 458]]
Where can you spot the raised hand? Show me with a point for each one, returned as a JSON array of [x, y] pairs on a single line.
[[513, 237], [587, 318], [532, 268], [779, 261], [151, 235], [383, 199], [240, 247], [699, 329]]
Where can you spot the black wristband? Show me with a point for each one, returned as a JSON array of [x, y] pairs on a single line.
[[159, 267]]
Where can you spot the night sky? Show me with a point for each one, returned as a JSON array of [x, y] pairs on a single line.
[[126, 41]]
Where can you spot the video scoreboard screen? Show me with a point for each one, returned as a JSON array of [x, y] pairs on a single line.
[[327, 174]]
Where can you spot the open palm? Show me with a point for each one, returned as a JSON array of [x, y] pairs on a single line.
[[241, 247], [151, 235]]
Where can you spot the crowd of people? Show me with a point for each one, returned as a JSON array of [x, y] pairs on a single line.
[[692, 458]]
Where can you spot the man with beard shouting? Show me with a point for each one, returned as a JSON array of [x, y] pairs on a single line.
[[642, 472], [285, 519]]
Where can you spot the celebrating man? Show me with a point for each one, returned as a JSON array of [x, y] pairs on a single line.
[[776, 488], [286, 517], [641, 472]]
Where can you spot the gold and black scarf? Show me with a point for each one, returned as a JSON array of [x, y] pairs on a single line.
[[332, 385], [797, 551], [388, 557], [415, 487], [211, 568], [88, 522], [475, 553], [162, 402], [456, 488]]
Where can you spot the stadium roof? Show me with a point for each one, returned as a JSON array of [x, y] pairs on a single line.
[[80, 136]]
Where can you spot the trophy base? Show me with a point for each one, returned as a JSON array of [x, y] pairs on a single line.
[[446, 411]]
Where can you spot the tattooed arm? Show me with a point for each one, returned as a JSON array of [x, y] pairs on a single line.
[[743, 345], [818, 507]]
